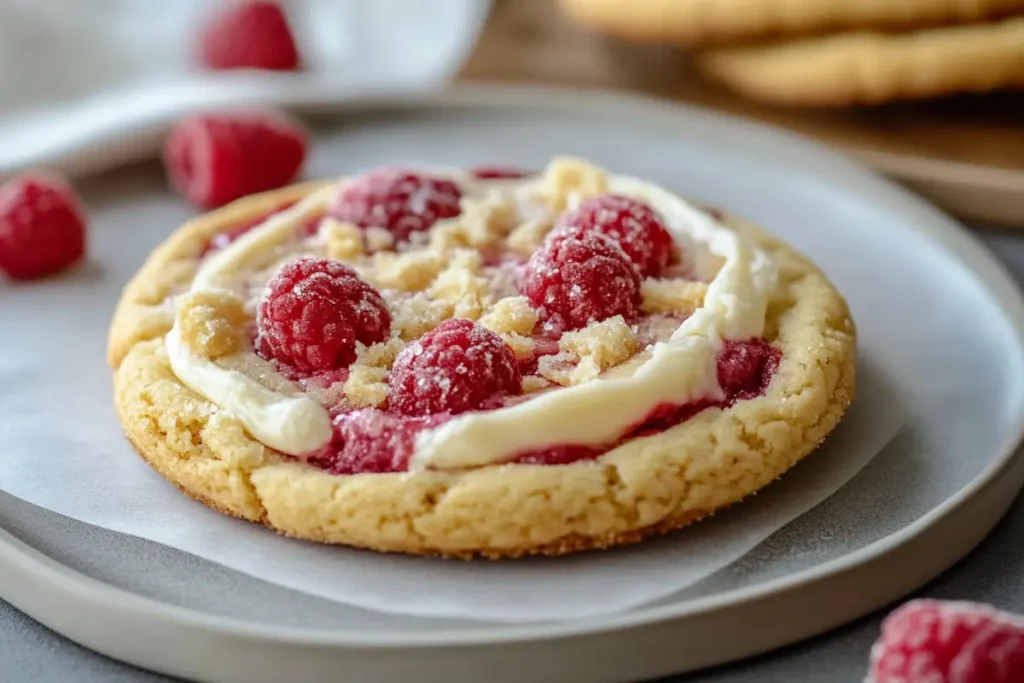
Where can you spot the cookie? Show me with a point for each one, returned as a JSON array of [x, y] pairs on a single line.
[[431, 362], [708, 22], [870, 68]]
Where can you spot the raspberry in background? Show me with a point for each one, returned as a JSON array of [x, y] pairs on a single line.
[[249, 34], [931, 641], [631, 223], [456, 367], [314, 312], [215, 158], [42, 226], [579, 277], [402, 201]]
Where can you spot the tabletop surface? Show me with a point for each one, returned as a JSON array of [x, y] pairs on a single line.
[[30, 652]]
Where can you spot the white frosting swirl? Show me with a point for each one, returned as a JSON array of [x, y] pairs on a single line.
[[679, 370], [291, 424]]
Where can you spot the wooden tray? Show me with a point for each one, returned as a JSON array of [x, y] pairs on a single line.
[[965, 154]]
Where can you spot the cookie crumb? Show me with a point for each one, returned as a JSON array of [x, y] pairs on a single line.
[[522, 346], [461, 285], [379, 355], [598, 347], [409, 271], [481, 224], [414, 316], [532, 384], [557, 368], [511, 315], [567, 180], [378, 239], [344, 240], [211, 323], [528, 236], [671, 296], [366, 386]]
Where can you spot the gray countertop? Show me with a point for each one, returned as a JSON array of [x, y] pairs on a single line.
[[992, 574]]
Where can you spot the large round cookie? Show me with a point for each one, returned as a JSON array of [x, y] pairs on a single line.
[[647, 485], [869, 68], [706, 22]]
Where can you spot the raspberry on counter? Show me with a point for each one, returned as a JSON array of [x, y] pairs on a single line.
[[42, 226]]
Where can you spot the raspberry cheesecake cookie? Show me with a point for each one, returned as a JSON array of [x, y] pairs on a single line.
[[483, 362]]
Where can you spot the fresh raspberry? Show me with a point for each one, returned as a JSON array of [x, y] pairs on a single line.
[[42, 226], [498, 172], [213, 159], [398, 200], [456, 367], [631, 223], [313, 314], [249, 34], [949, 642], [576, 279], [372, 441], [745, 368]]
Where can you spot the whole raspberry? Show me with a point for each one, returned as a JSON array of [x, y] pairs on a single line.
[[313, 314], [372, 441], [42, 226], [456, 367], [249, 34], [576, 279], [400, 201], [745, 368], [631, 223], [213, 159], [949, 642]]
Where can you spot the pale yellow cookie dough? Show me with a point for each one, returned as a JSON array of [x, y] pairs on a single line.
[[870, 68], [707, 22], [647, 486]]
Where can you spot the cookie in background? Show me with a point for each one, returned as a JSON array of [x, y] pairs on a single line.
[[829, 53]]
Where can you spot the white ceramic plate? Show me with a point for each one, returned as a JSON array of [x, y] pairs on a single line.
[[934, 492]]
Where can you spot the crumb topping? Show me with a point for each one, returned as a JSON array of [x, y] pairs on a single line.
[[671, 296], [212, 323]]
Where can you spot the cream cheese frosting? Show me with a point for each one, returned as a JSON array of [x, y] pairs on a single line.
[[678, 371]]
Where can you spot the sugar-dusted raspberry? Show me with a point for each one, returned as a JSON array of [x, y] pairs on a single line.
[[42, 226], [399, 200], [498, 172], [458, 366], [249, 34], [372, 441], [949, 642], [745, 368], [213, 159], [576, 279], [631, 223], [313, 314]]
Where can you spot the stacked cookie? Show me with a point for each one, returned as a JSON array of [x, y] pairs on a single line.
[[831, 52]]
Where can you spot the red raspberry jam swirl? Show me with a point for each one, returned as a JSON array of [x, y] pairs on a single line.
[[378, 441]]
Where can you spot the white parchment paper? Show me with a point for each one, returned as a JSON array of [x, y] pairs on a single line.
[[63, 449], [73, 71]]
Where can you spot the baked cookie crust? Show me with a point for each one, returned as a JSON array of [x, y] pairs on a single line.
[[647, 486], [708, 22], [871, 68]]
